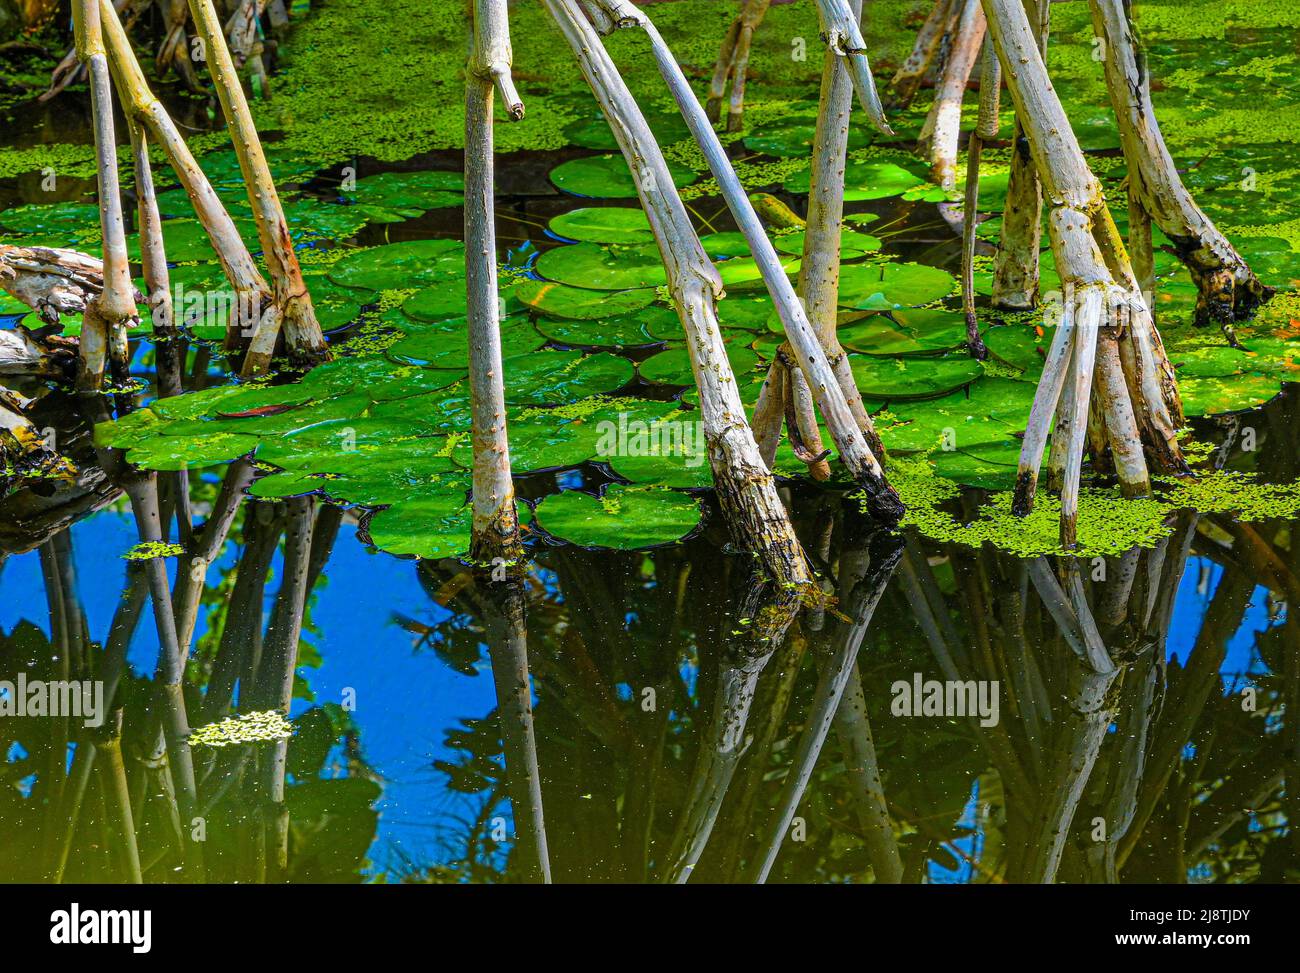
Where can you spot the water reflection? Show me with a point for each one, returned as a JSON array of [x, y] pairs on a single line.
[[938, 714]]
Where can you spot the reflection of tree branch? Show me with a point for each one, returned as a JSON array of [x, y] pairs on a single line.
[[834, 674], [854, 731], [771, 610]]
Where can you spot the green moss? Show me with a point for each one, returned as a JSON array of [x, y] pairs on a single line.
[[149, 550], [1107, 523], [264, 727]]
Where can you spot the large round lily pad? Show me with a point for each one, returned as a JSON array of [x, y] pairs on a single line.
[[604, 268], [885, 286], [433, 526], [604, 224], [395, 266], [562, 301], [913, 378], [673, 367], [607, 177], [625, 518]]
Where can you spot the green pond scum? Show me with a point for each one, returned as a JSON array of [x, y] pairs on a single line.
[[387, 611]]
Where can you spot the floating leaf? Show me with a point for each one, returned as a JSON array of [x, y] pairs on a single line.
[[433, 526], [624, 519], [793, 136], [885, 286], [606, 268], [604, 224], [607, 177], [622, 331], [872, 180], [187, 452], [561, 301], [673, 367], [556, 377], [416, 263], [913, 378]]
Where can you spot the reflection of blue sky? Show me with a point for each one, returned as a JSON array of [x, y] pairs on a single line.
[[405, 700], [1194, 594]]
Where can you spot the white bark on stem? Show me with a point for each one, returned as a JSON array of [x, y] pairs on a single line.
[[495, 532], [1015, 273], [1227, 289], [769, 412], [943, 125], [1116, 409], [844, 36], [1089, 313], [1090, 258], [929, 41], [985, 128], [1056, 367], [882, 501], [819, 271], [746, 492], [303, 338], [251, 293], [108, 316]]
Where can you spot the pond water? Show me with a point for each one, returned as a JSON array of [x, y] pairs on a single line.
[[952, 711]]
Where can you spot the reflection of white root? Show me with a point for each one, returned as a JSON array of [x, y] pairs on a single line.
[[1136, 398]]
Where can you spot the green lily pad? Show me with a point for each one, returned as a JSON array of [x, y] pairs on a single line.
[[915, 331], [395, 266], [556, 377], [1219, 395], [673, 367], [607, 177], [1023, 347], [410, 190], [739, 271], [624, 519], [595, 133], [873, 180], [433, 526], [792, 136], [188, 452], [66, 219], [561, 301], [853, 243], [913, 378], [603, 268], [441, 302], [604, 224], [622, 331], [886, 286]]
